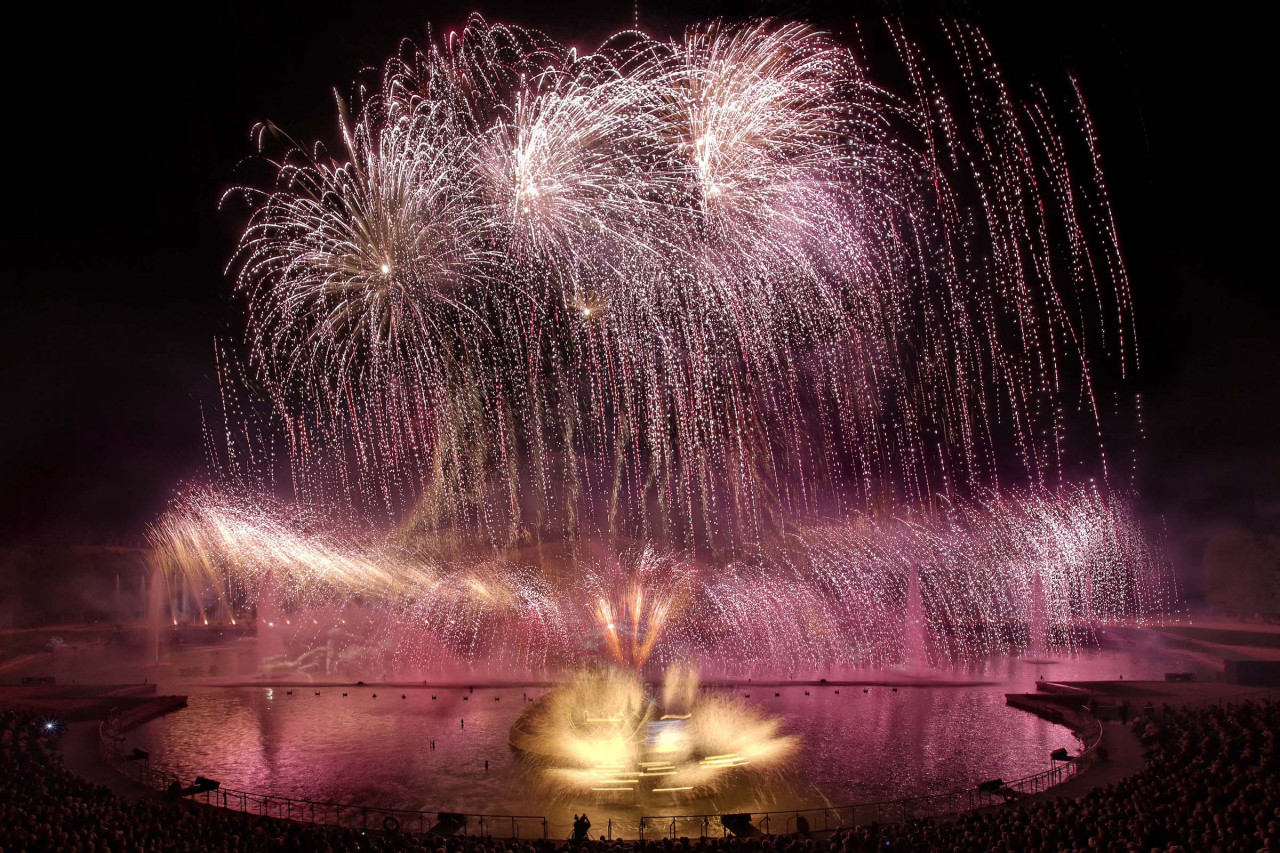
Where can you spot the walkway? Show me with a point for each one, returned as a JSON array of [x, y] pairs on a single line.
[[1125, 756], [79, 748]]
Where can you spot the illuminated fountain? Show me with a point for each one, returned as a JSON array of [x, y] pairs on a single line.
[[1037, 624], [602, 733], [914, 627], [155, 615]]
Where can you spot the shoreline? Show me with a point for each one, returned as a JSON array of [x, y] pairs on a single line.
[[133, 779]]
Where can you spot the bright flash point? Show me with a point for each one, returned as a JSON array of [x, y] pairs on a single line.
[[386, 268]]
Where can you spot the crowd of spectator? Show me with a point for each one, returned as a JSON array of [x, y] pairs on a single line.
[[1211, 783]]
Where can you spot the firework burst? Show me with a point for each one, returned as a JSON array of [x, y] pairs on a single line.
[[677, 290], [799, 348]]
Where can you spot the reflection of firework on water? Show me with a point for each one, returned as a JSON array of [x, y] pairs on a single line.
[[986, 576], [603, 733], [679, 291]]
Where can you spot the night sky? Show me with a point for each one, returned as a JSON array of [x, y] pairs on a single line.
[[124, 128]]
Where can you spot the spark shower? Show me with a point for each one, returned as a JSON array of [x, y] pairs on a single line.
[[736, 348]]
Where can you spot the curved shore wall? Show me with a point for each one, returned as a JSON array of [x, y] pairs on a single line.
[[667, 825]]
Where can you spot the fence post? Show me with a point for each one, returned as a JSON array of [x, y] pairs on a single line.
[[545, 832]]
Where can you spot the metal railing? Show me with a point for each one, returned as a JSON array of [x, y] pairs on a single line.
[[826, 818], [781, 822], [929, 806], [311, 811]]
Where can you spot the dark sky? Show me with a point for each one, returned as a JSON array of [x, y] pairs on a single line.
[[124, 127]]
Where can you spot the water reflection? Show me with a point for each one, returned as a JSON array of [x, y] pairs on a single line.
[[855, 747], [862, 744]]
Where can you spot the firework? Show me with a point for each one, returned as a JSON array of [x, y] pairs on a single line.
[[679, 291], [1014, 571], [703, 350]]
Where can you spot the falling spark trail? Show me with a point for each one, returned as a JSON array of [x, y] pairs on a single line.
[[752, 342]]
